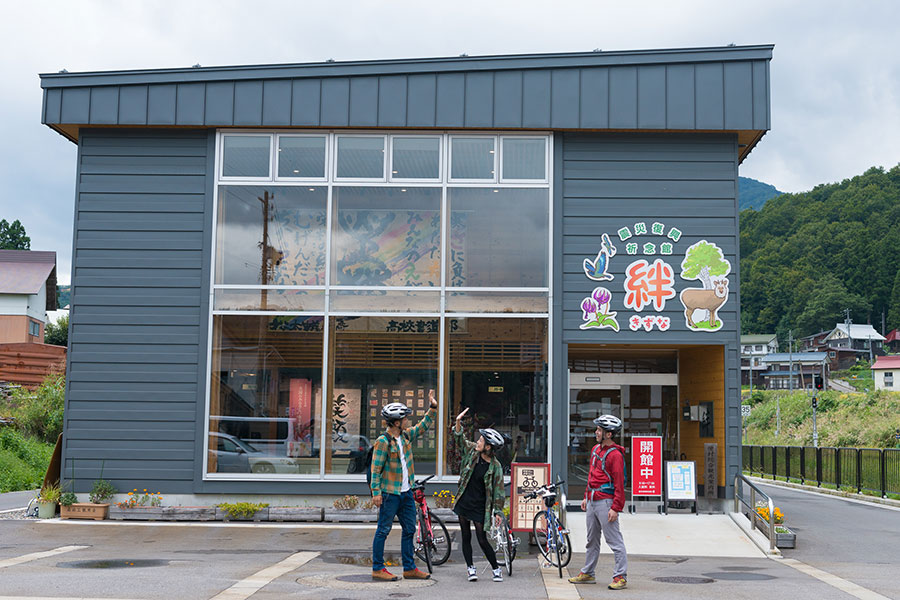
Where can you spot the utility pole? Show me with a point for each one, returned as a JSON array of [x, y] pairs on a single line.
[[264, 269], [815, 405], [791, 359], [847, 323], [777, 415]]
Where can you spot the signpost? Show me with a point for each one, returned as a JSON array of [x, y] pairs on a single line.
[[526, 477], [646, 468], [681, 482], [745, 412]]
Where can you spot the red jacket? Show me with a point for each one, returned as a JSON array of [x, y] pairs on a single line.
[[615, 466]]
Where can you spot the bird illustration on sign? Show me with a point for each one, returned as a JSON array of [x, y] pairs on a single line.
[[596, 270]]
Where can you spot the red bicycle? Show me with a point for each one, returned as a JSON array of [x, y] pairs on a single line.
[[432, 541]]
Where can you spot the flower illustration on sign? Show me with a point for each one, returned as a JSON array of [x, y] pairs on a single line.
[[596, 313], [596, 269], [704, 262]]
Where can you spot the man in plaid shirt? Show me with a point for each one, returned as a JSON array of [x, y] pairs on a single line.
[[393, 475]]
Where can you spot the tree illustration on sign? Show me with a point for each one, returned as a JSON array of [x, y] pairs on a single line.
[[704, 262]]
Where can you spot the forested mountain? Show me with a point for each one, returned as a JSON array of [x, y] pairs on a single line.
[[753, 194], [806, 257]]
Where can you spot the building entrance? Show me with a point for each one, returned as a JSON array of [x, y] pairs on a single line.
[[646, 403]]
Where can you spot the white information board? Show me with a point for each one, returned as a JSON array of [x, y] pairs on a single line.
[[681, 480]]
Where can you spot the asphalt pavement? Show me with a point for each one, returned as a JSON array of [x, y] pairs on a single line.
[[12, 500], [854, 540]]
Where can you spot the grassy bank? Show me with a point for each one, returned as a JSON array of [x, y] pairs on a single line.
[[862, 420], [27, 445]]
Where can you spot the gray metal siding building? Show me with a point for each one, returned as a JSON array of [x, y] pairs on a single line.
[[633, 140]]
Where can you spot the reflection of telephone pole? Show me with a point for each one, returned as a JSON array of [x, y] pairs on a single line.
[[264, 269]]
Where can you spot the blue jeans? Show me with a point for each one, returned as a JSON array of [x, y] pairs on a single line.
[[404, 507]]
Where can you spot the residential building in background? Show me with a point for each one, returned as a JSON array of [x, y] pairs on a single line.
[[753, 348], [886, 371]]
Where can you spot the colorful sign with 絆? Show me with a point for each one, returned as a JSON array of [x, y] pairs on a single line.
[[650, 283]]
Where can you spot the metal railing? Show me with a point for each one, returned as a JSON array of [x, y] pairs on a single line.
[[754, 492], [866, 470]]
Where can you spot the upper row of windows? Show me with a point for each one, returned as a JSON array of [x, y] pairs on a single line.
[[372, 157]]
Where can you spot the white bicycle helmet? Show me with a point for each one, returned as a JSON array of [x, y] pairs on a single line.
[[608, 422], [395, 410], [492, 437]]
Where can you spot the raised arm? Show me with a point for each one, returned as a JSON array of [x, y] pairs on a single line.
[[426, 422]]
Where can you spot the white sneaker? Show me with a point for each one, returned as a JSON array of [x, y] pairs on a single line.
[[473, 573], [498, 574]]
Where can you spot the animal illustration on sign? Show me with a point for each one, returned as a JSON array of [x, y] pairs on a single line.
[[705, 262], [596, 269]]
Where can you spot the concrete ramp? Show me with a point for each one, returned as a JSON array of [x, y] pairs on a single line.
[[674, 535]]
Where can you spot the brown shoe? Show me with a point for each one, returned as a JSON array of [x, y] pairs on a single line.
[[384, 575], [416, 574]]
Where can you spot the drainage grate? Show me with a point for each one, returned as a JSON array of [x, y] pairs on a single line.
[[112, 564], [740, 576], [683, 579]]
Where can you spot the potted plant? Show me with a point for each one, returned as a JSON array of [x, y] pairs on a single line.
[[348, 508], [242, 511], [47, 499], [96, 509]]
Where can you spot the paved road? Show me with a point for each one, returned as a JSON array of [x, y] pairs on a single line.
[[855, 541], [16, 499]]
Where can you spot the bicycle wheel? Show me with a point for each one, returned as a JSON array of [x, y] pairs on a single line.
[[425, 539], [565, 549], [440, 540], [508, 549], [511, 541], [542, 535], [555, 533]]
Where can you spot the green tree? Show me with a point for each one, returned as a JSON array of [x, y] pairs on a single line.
[[894, 307], [703, 260], [12, 236], [825, 304], [57, 333]]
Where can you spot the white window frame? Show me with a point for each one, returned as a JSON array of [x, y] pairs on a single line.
[[277, 143], [440, 177], [546, 177], [496, 151], [337, 149], [220, 163], [442, 315]]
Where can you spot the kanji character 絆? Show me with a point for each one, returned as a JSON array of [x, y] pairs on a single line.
[[648, 283]]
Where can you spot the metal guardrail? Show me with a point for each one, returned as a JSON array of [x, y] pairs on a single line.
[[754, 491], [872, 470]]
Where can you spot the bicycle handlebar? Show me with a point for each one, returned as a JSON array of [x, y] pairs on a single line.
[[422, 482]]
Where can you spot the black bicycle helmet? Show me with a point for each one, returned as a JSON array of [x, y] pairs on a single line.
[[395, 410], [608, 422], [492, 437]]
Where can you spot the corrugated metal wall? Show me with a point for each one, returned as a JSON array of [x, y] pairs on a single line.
[[724, 95], [140, 267], [609, 181]]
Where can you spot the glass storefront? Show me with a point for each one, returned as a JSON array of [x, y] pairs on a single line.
[[354, 270]]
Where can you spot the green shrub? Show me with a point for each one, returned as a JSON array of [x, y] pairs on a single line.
[[23, 461], [39, 413], [242, 510]]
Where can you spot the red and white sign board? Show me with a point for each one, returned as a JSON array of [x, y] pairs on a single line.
[[646, 466]]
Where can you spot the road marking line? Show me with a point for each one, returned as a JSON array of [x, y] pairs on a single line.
[[556, 588], [833, 580], [18, 560], [250, 585], [52, 598], [2, 512]]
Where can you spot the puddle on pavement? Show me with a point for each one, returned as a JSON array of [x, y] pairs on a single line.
[[363, 558], [685, 580], [739, 576], [112, 564]]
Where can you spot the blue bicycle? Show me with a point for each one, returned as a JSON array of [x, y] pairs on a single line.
[[550, 534]]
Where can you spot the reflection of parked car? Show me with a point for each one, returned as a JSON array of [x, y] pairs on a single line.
[[237, 456], [231, 454]]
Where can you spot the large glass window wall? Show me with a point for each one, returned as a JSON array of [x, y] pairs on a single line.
[[351, 270]]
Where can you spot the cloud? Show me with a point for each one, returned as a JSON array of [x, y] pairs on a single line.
[[835, 75]]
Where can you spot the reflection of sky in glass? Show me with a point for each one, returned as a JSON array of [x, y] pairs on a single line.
[[524, 158], [472, 158], [245, 156]]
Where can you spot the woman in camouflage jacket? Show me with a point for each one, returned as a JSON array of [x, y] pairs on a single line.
[[481, 495]]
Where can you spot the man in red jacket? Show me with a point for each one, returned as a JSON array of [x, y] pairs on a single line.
[[604, 499]]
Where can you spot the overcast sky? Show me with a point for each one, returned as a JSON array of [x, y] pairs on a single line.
[[835, 72]]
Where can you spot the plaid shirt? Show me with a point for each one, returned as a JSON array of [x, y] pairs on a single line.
[[495, 495], [387, 472]]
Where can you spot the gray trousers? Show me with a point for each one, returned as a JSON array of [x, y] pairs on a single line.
[[597, 524]]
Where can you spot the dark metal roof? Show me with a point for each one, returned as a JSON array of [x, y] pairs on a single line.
[[26, 271], [410, 65]]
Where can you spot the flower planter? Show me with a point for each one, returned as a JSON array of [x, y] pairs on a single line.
[[354, 515], [786, 539], [295, 513], [260, 515], [84, 510], [46, 510], [160, 513]]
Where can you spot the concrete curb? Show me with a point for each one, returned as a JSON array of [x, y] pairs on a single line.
[[756, 536], [818, 490]]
